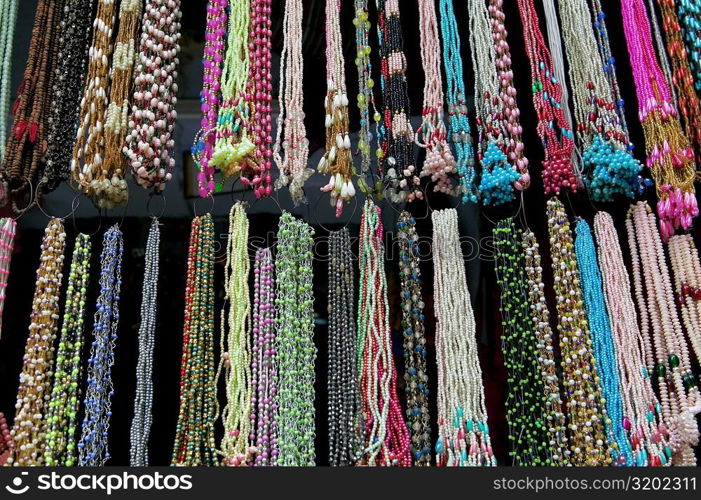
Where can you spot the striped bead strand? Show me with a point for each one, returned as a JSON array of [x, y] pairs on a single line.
[[8, 229]]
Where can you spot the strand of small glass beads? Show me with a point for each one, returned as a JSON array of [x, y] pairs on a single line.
[[526, 406], [194, 434], [415, 373], [37, 367], [585, 408], [62, 414], [8, 16], [294, 344], [684, 258], [689, 14], [8, 229]]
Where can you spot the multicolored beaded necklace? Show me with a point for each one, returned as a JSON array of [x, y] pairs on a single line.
[[8, 229], [689, 12]]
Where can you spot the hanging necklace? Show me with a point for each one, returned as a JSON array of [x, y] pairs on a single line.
[[150, 141], [294, 344], [143, 402], [527, 409], [194, 435], [415, 373], [610, 168], [235, 360], [689, 12], [687, 283], [293, 168], [33, 394], [343, 388], [264, 402], [8, 21], [603, 343], [670, 158], [553, 127], [386, 438], [678, 393], [587, 415], [540, 315], [642, 413], [62, 414], [8, 228], [395, 135], [5, 437], [463, 432]]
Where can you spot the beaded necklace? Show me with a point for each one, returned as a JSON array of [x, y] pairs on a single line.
[[687, 282], [294, 344], [415, 373], [143, 402], [8, 20], [264, 402], [194, 435], [609, 165], [67, 90], [33, 393], [293, 168], [661, 52], [689, 12], [386, 438], [463, 432], [670, 158], [8, 228], [553, 127], [678, 393], [587, 414], [459, 126], [235, 360], [6, 441], [150, 141], [602, 341], [540, 315], [527, 408], [642, 417], [93, 447], [395, 135], [343, 388]]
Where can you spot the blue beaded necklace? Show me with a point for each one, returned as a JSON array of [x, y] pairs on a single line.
[[689, 12]]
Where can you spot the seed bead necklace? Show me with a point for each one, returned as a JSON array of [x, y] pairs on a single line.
[[670, 158], [527, 409], [587, 414], [540, 315], [8, 229], [62, 413], [8, 21], [642, 413], [264, 402], [34, 390], [194, 434], [343, 388], [689, 12], [143, 402], [150, 141], [463, 432], [293, 167], [5, 436], [687, 283], [294, 344], [386, 438], [603, 343], [415, 373], [235, 360]]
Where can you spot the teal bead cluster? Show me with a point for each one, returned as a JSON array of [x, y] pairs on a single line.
[[498, 176], [689, 12], [611, 170]]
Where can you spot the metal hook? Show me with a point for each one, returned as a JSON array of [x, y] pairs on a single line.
[[318, 222], [99, 214], [21, 211], [272, 197], [151, 196], [194, 204], [74, 207]]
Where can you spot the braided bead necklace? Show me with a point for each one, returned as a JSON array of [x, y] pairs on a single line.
[[526, 403], [415, 373], [264, 402], [345, 414], [642, 417], [8, 21], [689, 12], [670, 158], [687, 282], [587, 414], [194, 435], [540, 315], [602, 341], [553, 127], [386, 438], [93, 446], [395, 135], [33, 393], [150, 141], [293, 168], [62, 412], [8, 228], [235, 360], [463, 432], [143, 401], [294, 344]]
